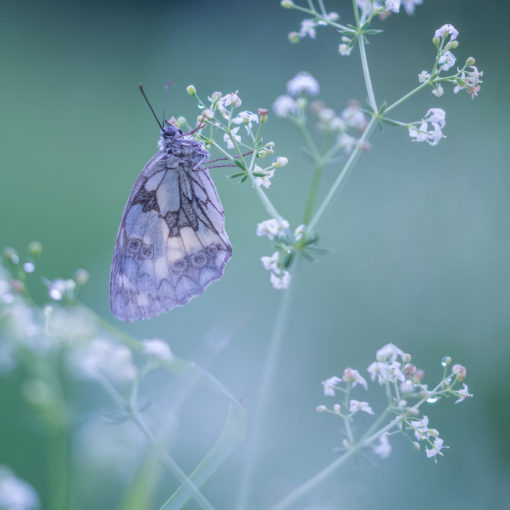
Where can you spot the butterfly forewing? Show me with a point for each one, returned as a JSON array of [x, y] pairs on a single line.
[[171, 242]]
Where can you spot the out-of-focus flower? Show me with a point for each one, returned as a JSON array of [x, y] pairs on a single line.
[[436, 449], [446, 61], [303, 82], [229, 139], [271, 263], [285, 106], [16, 494], [281, 280], [102, 358], [272, 228], [356, 406], [352, 376], [330, 384], [308, 28], [383, 449], [463, 394], [157, 348]]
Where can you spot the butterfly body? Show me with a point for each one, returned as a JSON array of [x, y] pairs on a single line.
[[171, 242]]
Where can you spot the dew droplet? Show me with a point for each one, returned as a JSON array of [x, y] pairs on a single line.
[[322, 23], [432, 400], [446, 361], [201, 105]]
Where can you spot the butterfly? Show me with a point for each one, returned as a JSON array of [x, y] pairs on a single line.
[[171, 243]]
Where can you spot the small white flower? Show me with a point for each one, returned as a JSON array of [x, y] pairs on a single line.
[[354, 116], [281, 280], [423, 76], [284, 106], [392, 5], [272, 228], [16, 494], [463, 394], [345, 49], [367, 5], [271, 263], [158, 349], [446, 30], [299, 232], [246, 118], [337, 409], [470, 82], [446, 60], [436, 450], [422, 430], [383, 449], [303, 82], [229, 139], [229, 102], [264, 181], [330, 384], [347, 142], [353, 376], [407, 386], [389, 352], [356, 406], [438, 90], [436, 116], [308, 28], [409, 5]]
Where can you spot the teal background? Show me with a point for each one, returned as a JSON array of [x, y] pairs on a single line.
[[420, 235]]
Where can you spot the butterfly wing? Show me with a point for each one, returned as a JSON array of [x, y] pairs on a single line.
[[171, 242]]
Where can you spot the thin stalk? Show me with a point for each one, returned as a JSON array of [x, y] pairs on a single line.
[[58, 446], [172, 466], [342, 175], [314, 188], [262, 400]]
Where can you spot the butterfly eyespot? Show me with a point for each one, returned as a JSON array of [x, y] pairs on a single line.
[[198, 259], [147, 251], [133, 245], [180, 265]]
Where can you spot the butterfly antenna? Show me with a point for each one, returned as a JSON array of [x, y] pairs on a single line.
[[166, 95], [150, 106]]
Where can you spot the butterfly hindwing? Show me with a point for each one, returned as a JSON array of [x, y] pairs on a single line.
[[171, 242]]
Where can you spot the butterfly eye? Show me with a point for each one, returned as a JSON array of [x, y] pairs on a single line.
[[133, 245], [198, 259]]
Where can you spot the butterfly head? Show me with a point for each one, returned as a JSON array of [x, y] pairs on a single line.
[[170, 131]]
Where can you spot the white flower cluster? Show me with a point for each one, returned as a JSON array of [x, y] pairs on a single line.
[[351, 117], [369, 7], [278, 230], [430, 128], [308, 26], [393, 369], [468, 78], [302, 83]]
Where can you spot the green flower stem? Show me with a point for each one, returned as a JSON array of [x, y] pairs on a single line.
[[346, 416], [406, 97], [364, 63], [263, 394], [314, 188], [58, 446], [342, 175], [172, 467]]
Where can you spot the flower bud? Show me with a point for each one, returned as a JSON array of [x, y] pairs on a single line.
[[81, 276], [262, 114], [11, 255], [191, 90], [287, 4], [294, 37], [281, 161], [35, 248], [321, 409], [470, 61]]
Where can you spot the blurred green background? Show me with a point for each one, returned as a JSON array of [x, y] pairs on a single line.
[[420, 234]]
